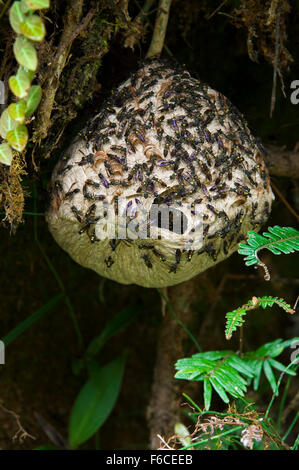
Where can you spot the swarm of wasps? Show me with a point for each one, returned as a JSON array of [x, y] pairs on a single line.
[[184, 128]]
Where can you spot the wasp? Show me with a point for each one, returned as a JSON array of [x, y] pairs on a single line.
[[189, 255], [113, 243], [103, 180], [88, 159], [119, 148], [173, 268], [93, 238], [71, 193], [158, 254], [109, 262], [211, 251], [64, 169], [77, 214], [58, 185], [253, 210], [86, 194], [147, 261]]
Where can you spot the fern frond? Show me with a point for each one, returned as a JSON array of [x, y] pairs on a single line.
[[263, 360], [268, 301], [277, 240], [235, 318], [222, 371]]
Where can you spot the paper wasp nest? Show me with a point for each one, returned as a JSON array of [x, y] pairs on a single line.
[[163, 139]]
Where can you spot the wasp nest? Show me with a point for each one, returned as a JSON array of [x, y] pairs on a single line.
[[162, 138]]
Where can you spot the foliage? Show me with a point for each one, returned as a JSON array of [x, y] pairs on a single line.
[[277, 240], [98, 395], [238, 427], [29, 28], [236, 318], [263, 360], [222, 371], [23, 326], [229, 373], [95, 400]]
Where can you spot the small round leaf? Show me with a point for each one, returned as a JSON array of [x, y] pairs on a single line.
[[33, 28], [20, 83], [25, 53], [30, 73], [18, 138], [33, 100], [37, 4], [5, 154], [24, 7], [17, 111], [16, 16], [6, 123]]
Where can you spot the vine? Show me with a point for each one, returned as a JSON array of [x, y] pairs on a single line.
[[30, 28]]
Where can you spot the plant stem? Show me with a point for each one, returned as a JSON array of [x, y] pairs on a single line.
[[56, 275], [217, 436], [275, 393], [291, 426], [171, 309], [159, 33], [164, 407]]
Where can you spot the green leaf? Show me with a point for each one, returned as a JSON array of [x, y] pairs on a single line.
[[33, 28], [270, 376], [182, 434], [25, 53], [272, 349], [241, 366], [19, 84], [262, 359], [116, 324], [18, 138], [277, 240], [233, 321], [24, 325], [37, 4], [219, 389], [279, 366], [223, 373], [258, 372], [16, 16], [7, 123], [269, 301], [17, 111], [5, 154], [24, 7], [210, 355], [289, 342], [95, 401], [47, 447], [33, 99], [207, 393], [235, 318]]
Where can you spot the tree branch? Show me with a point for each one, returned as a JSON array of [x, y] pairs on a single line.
[[158, 38], [282, 162], [164, 407], [72, 26]]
